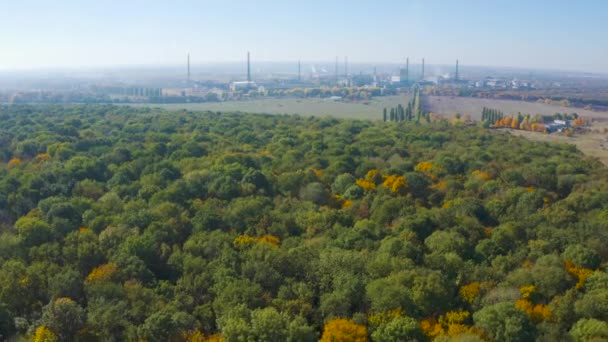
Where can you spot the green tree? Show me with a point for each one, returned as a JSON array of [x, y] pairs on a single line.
[[64, 317], [503, 322], [399, 329]]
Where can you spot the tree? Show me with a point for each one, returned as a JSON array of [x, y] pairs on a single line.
[[399, 329], [64, 317], [384, 114], [44, 334], [503, 322], [7, 324], [343, 330], [314, 192], [589, 330], [158, 327], [269, 325], [342, 183], [33, 231]]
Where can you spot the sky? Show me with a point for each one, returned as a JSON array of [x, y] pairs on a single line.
[[539, 34]]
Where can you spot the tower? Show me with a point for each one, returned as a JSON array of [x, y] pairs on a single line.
[[299, 71], [248, 68], [336, 72], [407, 69], [188, 68], [346, 67], [456, 75], [422, 75]]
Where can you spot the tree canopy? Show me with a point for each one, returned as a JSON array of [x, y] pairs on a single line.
[[120, 223]]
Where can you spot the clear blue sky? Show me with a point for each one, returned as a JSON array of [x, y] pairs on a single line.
[[554, 34]]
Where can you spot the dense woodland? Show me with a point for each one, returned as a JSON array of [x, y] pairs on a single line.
[[137, 224]]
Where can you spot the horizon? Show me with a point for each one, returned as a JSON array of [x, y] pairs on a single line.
[[545, 35], [242, 65]]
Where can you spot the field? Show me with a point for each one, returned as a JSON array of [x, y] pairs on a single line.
[[593, 144], [448, 106], [306, 107]]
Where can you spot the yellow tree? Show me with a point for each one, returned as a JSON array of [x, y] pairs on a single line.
[[515, 123], [44, 334], [102, 273], [14, 162], [470, 291], [343, 330]]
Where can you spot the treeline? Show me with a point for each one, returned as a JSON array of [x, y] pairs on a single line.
[[537, 123], [412, 111], [126, 224], [491, 115]]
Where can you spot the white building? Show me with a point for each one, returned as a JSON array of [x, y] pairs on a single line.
[[243, 85]]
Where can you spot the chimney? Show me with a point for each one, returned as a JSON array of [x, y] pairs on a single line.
[[248, 68], [188, 66], [336, 70], [422, 76], [346, 67]]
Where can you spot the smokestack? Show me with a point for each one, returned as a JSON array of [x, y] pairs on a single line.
[[456, 76], [299, 70], [188, 67], [422, 77], [336, 69], [248, 68], [346, 67]]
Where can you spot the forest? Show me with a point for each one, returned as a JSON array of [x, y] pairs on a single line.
[[139, 224]]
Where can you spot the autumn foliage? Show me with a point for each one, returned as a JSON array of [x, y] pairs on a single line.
[[470, 291], [366, 184], [579, 273], [452, 323], [538, 312], [102, 273], [247, 240], [395, 183], [377, 318], [343, 330], [429, 169], [14, 162], [44, 334]]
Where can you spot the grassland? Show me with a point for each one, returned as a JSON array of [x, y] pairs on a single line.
[[307, 107], [372, 110], [593, 143], [448, 106]]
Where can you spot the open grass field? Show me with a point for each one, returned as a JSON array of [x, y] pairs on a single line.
[[305, 107], [448, 106], [593, 143]]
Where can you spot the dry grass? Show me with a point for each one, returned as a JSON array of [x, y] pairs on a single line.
[[372, 110], [593, 143], [448, 106]]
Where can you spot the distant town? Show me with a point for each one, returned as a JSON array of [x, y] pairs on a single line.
[[332, 81]]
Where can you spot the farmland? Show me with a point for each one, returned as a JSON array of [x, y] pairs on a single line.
[[449, 106], [372, 109], [306, 107]]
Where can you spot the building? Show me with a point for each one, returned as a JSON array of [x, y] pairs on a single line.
[[243, 85]]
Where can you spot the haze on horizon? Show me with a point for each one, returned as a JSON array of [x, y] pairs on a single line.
[[542, 34]]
